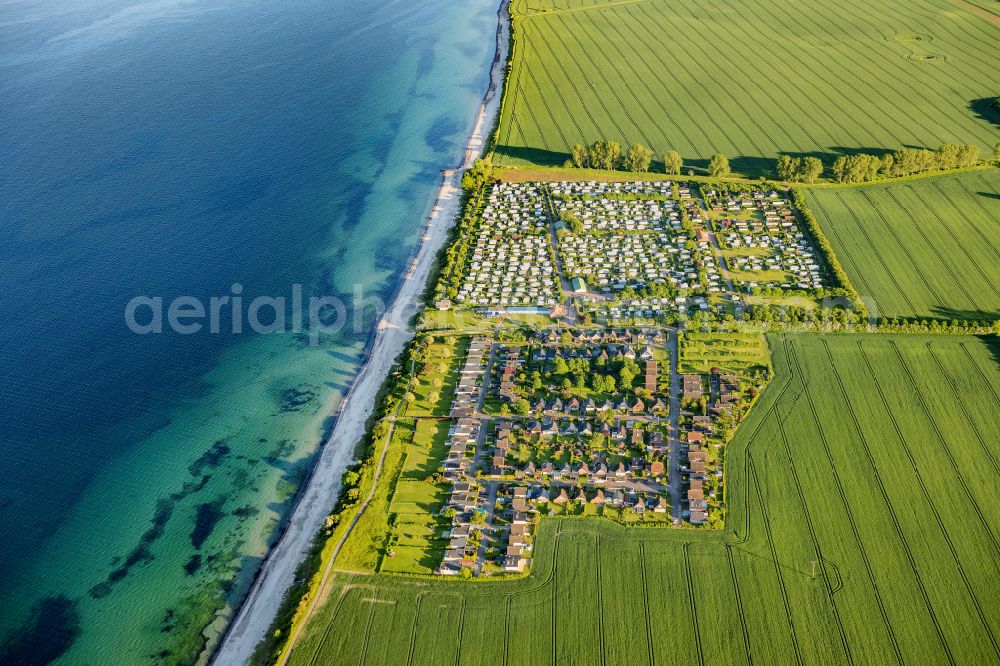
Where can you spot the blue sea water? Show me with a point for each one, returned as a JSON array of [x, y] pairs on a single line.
[[175, 148]]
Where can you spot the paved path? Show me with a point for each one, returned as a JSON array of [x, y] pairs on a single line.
[[673, 358]]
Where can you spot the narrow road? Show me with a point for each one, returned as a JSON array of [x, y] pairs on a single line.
[[675, 414], [565, 288], [324, 582]]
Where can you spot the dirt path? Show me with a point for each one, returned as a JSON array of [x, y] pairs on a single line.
[[393, 332]]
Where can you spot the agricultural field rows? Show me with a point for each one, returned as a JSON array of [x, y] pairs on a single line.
[[863, 529], [921, 248], [824, 78]]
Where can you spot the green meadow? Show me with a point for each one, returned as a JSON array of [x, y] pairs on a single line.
[[748, 78], [864, 527], [928, 247]]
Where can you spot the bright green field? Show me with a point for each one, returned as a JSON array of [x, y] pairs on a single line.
[[923, 248], [864, 527], [748, 78]]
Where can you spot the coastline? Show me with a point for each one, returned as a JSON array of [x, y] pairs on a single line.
[[319, 494]]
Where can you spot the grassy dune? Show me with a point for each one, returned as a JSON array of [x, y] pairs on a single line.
[[922, 248], [864, 528], [748, 79]]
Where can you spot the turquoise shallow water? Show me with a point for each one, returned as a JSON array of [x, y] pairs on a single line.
[[170, 148]]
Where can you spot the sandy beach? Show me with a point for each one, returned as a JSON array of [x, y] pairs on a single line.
[[393, 332]]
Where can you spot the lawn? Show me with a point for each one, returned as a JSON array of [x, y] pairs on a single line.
[[863, 528], [748, 78], [434, 388], [921, 248], [700, 352]]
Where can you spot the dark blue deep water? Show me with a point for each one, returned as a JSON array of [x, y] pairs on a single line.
[[175, 148]]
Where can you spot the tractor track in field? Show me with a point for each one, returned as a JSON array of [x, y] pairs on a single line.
[[777, 568], [812, 535], [892, 232], [739, 603], [722, 107], [897, 528], [695, 99], [413, 627], [692, 604], [461, 631], [975, 227], [600, 597], [772, 102], [965, 412], [929, 500], [875, 89], [329, 627], [653, 95], [643, 107], [944, 445], [368, 628], [891, 274], [569, 81], [933, 246], [982, 375], [847, 508], [611, 89], [651, 655], [856, 274], [533, 80], [816, 72]]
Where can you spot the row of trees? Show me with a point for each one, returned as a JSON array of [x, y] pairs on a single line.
[[799, 169], [608, 155], [905, 162]]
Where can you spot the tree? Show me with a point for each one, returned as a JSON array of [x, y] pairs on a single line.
[[572, 221], [967, 156], [809, 169], [672, 162], [718, 166], [578, 156], [786, 167], [885, 165], [480, 174], [947, 156], [638, 158], [612, 155], [521, 407], [996, 151], [560, 367]]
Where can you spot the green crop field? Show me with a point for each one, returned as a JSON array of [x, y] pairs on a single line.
[[749, 78], [864, 528], [921, 248]]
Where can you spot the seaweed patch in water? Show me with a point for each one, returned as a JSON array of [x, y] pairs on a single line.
[[294, 399], [209, 458], [50, 631], [142, 554], [207, 516], [192, 565]]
